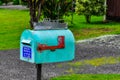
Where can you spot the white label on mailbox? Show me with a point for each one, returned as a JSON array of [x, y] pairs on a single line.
[[27, 53], [26, 41]]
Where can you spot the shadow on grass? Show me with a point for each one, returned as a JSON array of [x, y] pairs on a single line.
[[100, 22]]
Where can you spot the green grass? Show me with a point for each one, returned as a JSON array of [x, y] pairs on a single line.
[[96, 61], [13, 22], [97, 27], [89, 77]]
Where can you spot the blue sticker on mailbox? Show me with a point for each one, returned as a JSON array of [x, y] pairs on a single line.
[[27, 53]]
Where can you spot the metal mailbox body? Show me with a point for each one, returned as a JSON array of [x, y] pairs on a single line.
[[31, 39]]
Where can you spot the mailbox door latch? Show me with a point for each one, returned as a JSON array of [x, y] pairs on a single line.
[[60, 45]]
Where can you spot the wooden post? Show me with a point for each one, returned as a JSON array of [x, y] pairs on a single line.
[[105, 4], [39, 71], [73, 6]]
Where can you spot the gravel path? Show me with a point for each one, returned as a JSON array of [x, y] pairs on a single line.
[[11, 68], [19, 7]]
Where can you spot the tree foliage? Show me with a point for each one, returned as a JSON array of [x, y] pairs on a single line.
[[1, 2], [90, 7], [5, 1], [56, 9], [53, 9], [23, 2], [16, 2]]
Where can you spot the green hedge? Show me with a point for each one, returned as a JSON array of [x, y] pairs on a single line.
[[16, 2]]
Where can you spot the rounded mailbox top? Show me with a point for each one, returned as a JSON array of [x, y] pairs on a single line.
[[27, 34]]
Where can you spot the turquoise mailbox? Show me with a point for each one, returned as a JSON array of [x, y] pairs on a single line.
[[43, 45]]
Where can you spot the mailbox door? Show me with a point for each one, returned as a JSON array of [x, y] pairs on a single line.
[[26, 47]]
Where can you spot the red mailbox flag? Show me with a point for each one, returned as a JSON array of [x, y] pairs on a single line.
[[60, 45]]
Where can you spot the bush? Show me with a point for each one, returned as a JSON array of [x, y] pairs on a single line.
[[15, 2], [90, 7], [24, 3], [0, 2], [56, 9], [5, 1]]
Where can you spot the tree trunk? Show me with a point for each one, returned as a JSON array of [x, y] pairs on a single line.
[[35, 11], [32, 6], [88, 18]]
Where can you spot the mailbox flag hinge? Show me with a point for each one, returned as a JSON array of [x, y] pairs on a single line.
[[60, 45]]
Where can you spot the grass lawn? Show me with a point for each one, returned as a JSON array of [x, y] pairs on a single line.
[[96, 62], [82, 30], [89, 77], [13, 22]]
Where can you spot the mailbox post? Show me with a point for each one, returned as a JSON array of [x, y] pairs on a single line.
[[39, 71], [49, 42]]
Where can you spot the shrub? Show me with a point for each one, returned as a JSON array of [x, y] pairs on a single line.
[[90, 7], [0, 2], [15, 2], [56, 9], [24, 2], [6, 1]]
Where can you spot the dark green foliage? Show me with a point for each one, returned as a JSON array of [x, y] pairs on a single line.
[[90, 7], [24, 2], [56, 9], [0, 2], [16, 2], [6, 1]]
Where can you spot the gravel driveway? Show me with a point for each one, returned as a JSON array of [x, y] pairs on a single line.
[[18, 7], [11, 68]]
